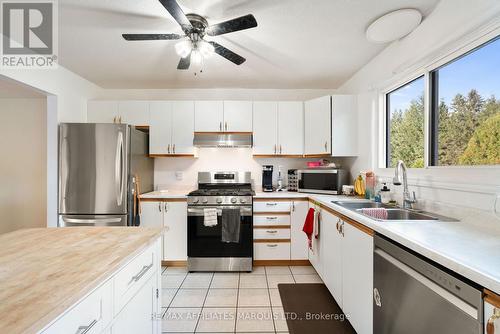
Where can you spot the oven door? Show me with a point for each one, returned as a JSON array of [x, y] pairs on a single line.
[[204, 241], [319, 181]]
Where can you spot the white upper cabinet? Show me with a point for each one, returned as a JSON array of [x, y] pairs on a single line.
[[102, 111], [238, 116], [160, 131], [209, 116], [125, 112], [318, 126], [134, 112], [344, 120], [265, 127], [182, 127], [291, 128]]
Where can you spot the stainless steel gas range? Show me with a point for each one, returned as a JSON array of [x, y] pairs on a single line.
[[220, 193]]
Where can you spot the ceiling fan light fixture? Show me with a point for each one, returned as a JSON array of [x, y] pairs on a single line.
[[206, 49], [196, 57], [183, 48]]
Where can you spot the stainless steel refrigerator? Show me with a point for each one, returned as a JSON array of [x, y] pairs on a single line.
[[97, 168]]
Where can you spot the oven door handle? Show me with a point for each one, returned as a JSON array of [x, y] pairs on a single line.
[[244, 211]]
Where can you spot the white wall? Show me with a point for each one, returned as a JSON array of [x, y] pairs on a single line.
[[450, 24], [23, 200], [222, 159]]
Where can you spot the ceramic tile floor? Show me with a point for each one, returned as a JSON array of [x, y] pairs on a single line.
[[228, 302]]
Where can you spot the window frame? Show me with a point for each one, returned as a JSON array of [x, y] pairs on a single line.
[[387, 118], [462, 48]]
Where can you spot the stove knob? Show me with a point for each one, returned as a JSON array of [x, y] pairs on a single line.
[[242, 200], [233, 200], [196, 200], [204, 200], [218, 200]]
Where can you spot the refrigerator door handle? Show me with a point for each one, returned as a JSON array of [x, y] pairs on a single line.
[[119, 169]]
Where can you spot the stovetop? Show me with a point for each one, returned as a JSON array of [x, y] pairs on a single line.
[[222, 192]]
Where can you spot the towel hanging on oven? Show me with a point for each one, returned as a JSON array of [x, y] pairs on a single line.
[[231, 219], [210, 217]]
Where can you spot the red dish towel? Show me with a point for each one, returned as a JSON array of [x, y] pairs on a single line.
[[308, 228]]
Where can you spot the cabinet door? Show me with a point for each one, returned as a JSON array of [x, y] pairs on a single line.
[[160, 130], [317, 126], [182, 127], [333, 255], [265, 127], [138, 315], [208, 116], [151, 214], [102, 111], [134, 112], [357, 278], [491, 318], [175, 237], [315, 255], [238, 116], [291, 128], [299, 249], [344, 119]]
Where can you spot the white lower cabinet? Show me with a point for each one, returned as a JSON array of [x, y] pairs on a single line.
[[345, 262], [315, 253], [173, 217], [299, 249], [271, 250], [128, 302], [492, 316]]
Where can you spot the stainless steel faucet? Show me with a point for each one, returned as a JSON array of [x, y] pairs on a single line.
[[408, 201]]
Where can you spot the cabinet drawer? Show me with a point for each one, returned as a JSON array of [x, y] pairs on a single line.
[[271, 233], [131, 278], [269, 220], [92, 314], [271, 251], [271, 206]]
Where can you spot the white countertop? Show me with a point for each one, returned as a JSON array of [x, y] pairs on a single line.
[[173, 193], [471, 250]]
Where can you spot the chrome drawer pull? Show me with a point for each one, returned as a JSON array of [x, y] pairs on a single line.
[[273, 245], [141, 273], [271, 204], [86, 329], [272, 231], [271, 218]]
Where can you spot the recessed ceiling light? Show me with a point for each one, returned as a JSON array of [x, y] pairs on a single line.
[[393, 25]]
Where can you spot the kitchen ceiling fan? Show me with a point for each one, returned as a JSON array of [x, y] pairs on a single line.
[[195, 28]]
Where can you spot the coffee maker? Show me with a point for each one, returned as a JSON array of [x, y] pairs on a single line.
[[267, 178]]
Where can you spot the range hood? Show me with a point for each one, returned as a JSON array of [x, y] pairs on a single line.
[[222, 139]]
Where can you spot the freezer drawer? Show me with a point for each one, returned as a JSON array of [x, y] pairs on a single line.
[[92, 220]]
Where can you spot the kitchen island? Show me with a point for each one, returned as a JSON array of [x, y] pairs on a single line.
[[61, 280]]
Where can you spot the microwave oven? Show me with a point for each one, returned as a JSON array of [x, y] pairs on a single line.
[[322, 181]]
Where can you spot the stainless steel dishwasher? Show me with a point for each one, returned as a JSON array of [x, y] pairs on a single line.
[[412, 296]]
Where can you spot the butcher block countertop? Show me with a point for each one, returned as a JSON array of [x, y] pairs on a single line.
[[44, 271]]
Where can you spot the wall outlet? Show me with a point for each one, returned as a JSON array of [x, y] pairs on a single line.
[[179, 176]]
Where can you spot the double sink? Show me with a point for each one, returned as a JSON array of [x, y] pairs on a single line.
[[394, 214]]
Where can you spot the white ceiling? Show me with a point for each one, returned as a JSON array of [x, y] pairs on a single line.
[[10, 89], [297, 44]]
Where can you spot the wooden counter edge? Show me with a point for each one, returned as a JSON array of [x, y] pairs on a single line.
[[492, 298]]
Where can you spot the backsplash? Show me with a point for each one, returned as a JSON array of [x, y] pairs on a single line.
[[222, 159]]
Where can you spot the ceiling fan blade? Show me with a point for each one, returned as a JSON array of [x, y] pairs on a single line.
[[175, 10], [240, 23], [184, 63], [228, 54], [150, 37]]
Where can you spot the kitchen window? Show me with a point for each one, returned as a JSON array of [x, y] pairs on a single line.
[[465, 109], [405, 124], [463, 113]]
